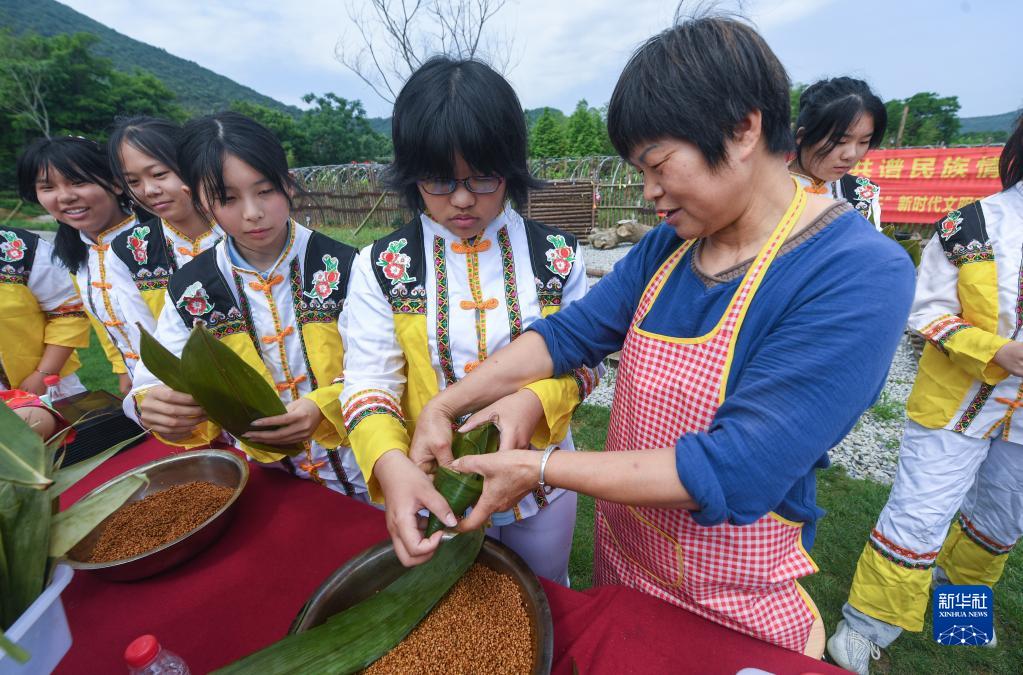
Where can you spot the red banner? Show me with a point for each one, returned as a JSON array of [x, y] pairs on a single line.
[[920, 185]]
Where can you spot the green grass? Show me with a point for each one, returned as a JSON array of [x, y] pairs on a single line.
[[852, 506], [366, 236], [95, 372], [887, 408]]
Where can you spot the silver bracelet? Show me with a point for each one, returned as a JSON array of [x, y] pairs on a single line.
[[547, 489]]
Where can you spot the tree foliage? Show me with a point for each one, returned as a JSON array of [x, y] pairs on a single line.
[[931, 120], [581, 134], [56, 86], [332, 131]]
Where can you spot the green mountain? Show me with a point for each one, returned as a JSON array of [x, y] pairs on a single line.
[[198, 89], [1003, 122]]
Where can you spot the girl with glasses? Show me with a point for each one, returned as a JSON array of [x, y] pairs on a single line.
[[434, 299]]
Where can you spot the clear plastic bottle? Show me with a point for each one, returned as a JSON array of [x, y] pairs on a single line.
[[145, 656]]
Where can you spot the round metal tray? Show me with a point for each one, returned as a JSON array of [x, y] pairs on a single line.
[[376, 567], [219, 467]]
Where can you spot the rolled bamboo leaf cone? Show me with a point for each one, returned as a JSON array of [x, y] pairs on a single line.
[[479, 441], [461, 490], [231, 392]]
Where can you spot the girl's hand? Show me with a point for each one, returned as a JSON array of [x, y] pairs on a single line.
[[124, 383], [431, 444], [295, 426], [516, 416], [1010, 357], [407, 490], [171, 414], [508, 476], [34, 383]]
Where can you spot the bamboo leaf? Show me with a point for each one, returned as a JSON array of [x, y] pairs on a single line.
[[71, 525], [461, 490], [13, 650], [161, 362], [231, 392], [65, 478], [23, 457], [26, 514], [356, 637], [480, 441]]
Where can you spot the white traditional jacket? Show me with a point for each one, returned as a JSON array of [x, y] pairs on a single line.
[[862, 193], [968, 305], [427, 307], [126, 279], [287, 323]]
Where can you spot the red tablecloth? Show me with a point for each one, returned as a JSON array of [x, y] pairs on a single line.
[[242, 593]]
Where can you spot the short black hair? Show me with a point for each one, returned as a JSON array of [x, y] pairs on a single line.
[[205, 141], [77, 159], [696, 82], [1010, 165], [152, 136], [458, 106], [828, 108]]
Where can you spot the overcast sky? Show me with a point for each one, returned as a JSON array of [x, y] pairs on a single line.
[[564, 50]]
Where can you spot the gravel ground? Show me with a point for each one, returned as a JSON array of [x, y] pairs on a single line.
[[870, 450]]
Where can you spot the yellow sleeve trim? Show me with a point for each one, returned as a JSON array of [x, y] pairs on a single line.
[[203, 435], [559, 398], [331, 432], [973, 350], [372, 437], [67, 331]]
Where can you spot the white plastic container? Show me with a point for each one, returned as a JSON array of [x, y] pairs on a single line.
[[42, 630]]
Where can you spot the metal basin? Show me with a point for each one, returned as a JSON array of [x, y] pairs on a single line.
[[376, 567], [219, 467]]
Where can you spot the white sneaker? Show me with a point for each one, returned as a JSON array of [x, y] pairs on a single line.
[[851, 650]]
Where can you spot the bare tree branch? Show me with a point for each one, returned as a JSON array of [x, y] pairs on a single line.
[[395, 37]]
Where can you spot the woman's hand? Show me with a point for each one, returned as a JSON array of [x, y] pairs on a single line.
[[1010, 357], [295, 426], [508, 476], [171, 414], [407, 490], [516, 416], [34, 383], [124, 383], [431, 444]]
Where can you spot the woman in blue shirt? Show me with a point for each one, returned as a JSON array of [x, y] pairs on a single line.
[[756, 324]]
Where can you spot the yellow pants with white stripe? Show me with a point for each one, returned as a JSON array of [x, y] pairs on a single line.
[[940, 472]]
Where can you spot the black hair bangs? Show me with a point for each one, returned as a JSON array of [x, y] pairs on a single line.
[[151, 136], [828, 108], [77, 159], [206, 141], [696, 82], [458, 107], [1010, 163]]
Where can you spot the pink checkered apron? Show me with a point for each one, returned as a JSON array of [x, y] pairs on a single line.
[[742, 577]]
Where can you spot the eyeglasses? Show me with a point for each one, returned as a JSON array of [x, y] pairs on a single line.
[[480, 185]]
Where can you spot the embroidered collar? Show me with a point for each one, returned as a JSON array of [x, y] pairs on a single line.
[[241, 265], [109, 232], [213, 229]]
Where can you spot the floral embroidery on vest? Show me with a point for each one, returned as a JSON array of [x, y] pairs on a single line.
[[865, 191], [395, 263], [12, 248], [951, 225], [137, 244], [195, 300], [325, 281], [560, 257]]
